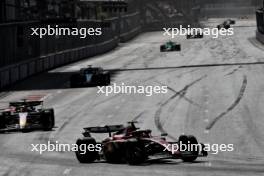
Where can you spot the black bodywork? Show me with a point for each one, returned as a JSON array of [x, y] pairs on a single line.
[[89, 77], [194, 36], [26, 116], [128, 144], [226, 24]]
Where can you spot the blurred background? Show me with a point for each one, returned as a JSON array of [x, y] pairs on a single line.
[[120, 22]]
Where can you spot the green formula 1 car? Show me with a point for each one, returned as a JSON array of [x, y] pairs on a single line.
[[170, 46]]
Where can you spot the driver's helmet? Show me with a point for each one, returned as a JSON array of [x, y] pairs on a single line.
[[129, 129], [145, 134], [22, 109]]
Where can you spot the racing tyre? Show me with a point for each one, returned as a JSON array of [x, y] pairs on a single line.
[[2, 121], [48, 120], [162, 48], [86, 156], [75, 81], [227, 26], [177, 47], [107, 79], [204, 152], [135, 154], [192, 154]]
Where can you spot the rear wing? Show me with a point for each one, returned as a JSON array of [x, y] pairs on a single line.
[[25, 103], [105, 129]]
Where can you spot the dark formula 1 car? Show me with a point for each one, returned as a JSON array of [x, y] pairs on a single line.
[[170, 46], [26, 116], [194, 36], [133, 146], [90, 76], [226, 24]]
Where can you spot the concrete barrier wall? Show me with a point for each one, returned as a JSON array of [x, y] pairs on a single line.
[[13, 73], [260, 37], [228, 8], [260, 25], [130, 26]]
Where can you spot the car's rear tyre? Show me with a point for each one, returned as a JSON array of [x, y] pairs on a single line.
[[75, 81], [177, 47], [162, 48], [192, 154], [48, 119], [2, 121], [86, 156], [135, 154], [107, 79]]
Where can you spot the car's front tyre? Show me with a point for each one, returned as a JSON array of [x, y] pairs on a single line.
[[2, 121], [192, 151], [75, 81], [48, 119]]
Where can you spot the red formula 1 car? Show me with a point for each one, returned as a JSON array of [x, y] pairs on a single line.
[[133, 146], [26, 116]]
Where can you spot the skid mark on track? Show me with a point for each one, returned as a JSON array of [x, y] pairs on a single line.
[[186, 98], [233, 71], [44, 137], [236, 102], [159, 111], [138, 116], [106, 100], [182, 95], [224, 64], [66, 122]]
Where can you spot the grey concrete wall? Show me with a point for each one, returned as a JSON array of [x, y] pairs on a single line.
[[228, 8], [13, 73]]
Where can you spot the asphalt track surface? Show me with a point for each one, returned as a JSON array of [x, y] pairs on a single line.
[[218, 102]]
